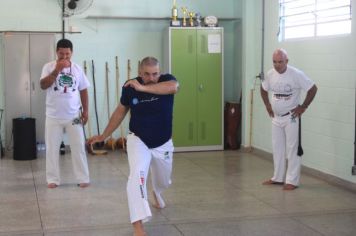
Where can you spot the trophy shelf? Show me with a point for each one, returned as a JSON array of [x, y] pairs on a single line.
[[38, 32], [149, 18]]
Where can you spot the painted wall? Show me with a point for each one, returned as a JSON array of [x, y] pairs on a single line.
[[251, 67], [2, 103], [329, 123], [103, 39]]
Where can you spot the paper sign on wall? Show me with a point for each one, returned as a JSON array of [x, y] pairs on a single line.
[[214, 43]]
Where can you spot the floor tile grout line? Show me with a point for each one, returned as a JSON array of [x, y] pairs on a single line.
[[242, 218], [176, 227], [38, 203], [308, 171], [175, 223], [258, 199], [239, 188], [207, 171], [307, 226]]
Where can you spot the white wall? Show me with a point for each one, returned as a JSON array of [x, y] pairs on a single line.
[[2, 102], [329, 123], [103, 39], [251, 54], [161, 7]]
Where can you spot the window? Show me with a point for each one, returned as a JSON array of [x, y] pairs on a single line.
[[311, 18]]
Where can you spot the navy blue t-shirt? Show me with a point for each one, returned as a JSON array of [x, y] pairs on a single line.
[[151, 114]]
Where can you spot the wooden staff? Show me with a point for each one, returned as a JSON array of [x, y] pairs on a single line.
[[2, 149], [128, 77], [85, 72], [128, 69], [117, 78], [110, 143], [95, 104], [85, 67], [97, 152], [90, 147], [251, 119], [121, 141]]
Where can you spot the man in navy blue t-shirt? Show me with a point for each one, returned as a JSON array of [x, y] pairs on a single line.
[[149, 97]]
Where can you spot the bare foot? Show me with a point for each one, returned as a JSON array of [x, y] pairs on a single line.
[[52, 185], [83, 185], [138, 229], [269, 182], [289, 187], [143, 234], [158, 201]]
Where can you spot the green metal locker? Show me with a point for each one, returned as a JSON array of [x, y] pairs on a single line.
[[196, 59]]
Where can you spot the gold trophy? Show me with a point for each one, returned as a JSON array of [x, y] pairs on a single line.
[[184, 9], [191, 21], [174, 20]]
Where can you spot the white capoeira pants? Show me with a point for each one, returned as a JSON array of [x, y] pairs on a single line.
[[285, 147], [54, 137], [141, 158]]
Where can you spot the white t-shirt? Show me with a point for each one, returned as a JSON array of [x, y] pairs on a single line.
[[286, 88], [63, 98]]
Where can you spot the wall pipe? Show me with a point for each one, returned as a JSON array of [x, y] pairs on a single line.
[[353, 169], [260, 75], [63, 23]]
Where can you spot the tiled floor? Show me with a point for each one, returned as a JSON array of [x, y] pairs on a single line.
[[213, 194]]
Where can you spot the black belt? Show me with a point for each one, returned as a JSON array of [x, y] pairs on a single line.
[[286, 114]]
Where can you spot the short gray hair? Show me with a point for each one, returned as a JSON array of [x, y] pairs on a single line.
[[149, 61]]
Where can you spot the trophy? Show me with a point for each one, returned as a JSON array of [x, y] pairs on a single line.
[[211, 21], [184, 9], [198, 19], [191, 21], [175, 21]]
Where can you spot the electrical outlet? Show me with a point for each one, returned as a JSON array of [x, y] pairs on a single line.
[[353, 170]]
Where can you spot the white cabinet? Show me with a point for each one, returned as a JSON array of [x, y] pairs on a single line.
[[24, 55]]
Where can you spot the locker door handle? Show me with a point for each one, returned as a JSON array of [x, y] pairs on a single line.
[[190, 44], [203, 131], [190, 131], [204, 44], [201, 87], [33, 86]]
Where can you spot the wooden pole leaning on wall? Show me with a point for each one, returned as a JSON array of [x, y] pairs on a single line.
[[121, 141], [92, 147], [88, 147], [86, 74], [128, 69], [128, 78], [249, 148], [117, 79], [110, 143]]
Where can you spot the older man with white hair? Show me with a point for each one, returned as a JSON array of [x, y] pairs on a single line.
[[285, 84]]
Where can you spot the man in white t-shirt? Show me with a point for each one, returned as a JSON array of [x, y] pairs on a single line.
[[285, 84], [66, 92]]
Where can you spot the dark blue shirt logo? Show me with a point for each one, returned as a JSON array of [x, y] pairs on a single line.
[[134, 101]]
